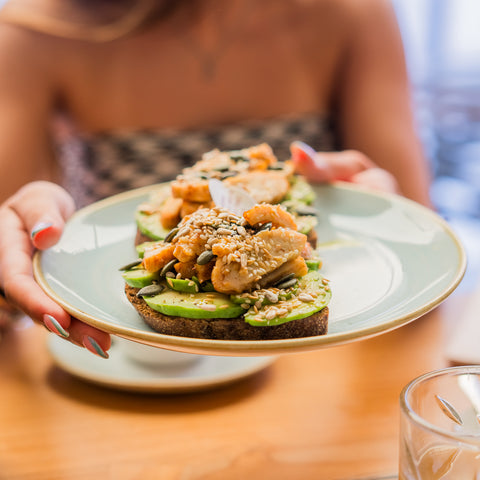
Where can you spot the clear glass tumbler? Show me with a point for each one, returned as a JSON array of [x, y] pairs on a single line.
[[440, 426]]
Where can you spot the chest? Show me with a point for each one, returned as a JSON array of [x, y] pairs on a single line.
[[160, 80]]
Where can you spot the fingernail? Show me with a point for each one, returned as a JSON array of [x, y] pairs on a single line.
[[308, 152], [303, 147], [91, 344], [52, 324], [40, 227]]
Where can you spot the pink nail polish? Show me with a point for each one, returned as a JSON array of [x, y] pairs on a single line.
[[91, 345], [39, 228], [54, 326]]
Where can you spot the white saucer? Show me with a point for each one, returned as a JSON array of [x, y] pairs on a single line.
[[121, 373]]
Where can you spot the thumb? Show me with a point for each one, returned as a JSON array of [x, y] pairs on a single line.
[[43, 208]]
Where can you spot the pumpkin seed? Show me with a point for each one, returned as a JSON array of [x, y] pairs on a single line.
[[287, 284], [227, 174], [168, 267], [306, 210], [131, 264], [239, 158], [277, 166], [171, 234], [265, 226], [289, 276], [205, 257], [149, 290]]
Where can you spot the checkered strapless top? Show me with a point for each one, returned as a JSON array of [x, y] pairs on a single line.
[[97, 166]]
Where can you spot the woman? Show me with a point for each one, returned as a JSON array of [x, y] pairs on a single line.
[[130, 92]]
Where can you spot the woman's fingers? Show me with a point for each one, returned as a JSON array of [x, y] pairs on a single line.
[[377, 179], [328, 166], [89, 337], [43, 208], [347, 165], [35, 217]]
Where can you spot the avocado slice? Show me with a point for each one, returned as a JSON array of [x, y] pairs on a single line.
[[140, 249], [300, 191], [311, 283], [139, 277], [207, 286], [194, 305], [150, 225], [305, 223], [185, 285], [313, 263], [245, 299]]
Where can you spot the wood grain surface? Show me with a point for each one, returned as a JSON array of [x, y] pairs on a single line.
[[326, 414]]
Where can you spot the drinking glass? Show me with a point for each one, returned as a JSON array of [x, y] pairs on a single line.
[[440, 426]]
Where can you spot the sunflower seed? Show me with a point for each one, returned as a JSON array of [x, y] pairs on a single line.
[[131, 264], [150, 290], [183, 231], [171, 234], [305, 297], [168, 267], [208, 307], [270, 296], [205, 257]]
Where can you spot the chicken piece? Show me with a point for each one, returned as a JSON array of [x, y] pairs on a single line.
[[296, 266], [264, 186], [204, 272], [191, 189], [307, 252], [157, 256], [185, 269], [188, 247], [189, 207], [239, 266], [270, 213], [213, 160], [261, 156], [170, 212]]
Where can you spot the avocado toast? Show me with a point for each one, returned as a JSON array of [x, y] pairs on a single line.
[[255, 169], [218, 275]]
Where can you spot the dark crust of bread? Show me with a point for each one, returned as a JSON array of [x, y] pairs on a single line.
[[227, 328], [141, 238]]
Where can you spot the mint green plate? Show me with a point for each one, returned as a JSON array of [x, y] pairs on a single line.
[[389, 261]]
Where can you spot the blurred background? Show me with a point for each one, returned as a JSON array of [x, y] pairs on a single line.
[[442, 44]]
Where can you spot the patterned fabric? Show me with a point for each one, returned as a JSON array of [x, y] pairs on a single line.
[[95, 167]]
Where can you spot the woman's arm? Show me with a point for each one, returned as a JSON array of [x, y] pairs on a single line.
[[33, 212], [373, 99]]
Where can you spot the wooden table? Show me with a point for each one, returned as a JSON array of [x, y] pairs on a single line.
[[327, 414]]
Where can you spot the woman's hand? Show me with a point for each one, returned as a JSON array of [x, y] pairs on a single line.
[[33, 218], [347, 165]]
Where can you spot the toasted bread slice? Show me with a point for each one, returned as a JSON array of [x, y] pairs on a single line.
[[227, 328]]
